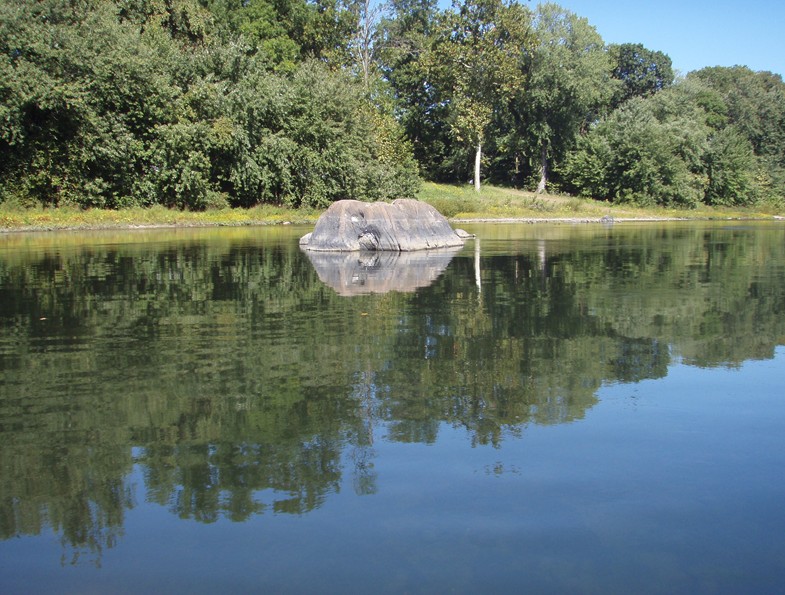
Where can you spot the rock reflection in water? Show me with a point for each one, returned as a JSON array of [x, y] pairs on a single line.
[[355, 273]]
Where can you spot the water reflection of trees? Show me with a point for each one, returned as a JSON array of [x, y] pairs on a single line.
[[244, 385]]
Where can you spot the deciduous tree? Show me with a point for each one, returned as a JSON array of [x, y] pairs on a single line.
[[477, 58], [568, 84]]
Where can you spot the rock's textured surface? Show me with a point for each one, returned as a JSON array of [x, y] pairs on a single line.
[[401, 226]]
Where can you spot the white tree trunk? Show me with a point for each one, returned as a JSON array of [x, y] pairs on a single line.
[[367, 18], [477, 159], [543, 169]]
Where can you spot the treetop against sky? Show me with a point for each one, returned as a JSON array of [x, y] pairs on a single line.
[[694, 34]]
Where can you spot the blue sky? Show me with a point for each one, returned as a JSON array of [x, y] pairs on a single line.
[[694, 33]]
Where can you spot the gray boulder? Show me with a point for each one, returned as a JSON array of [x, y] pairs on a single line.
[[401, 226]]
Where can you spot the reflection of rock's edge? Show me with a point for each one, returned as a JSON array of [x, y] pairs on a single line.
[[365, 272]]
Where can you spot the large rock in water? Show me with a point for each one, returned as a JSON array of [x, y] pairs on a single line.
[[401, 226]]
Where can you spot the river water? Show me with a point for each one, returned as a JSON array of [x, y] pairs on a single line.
[[552, 408]]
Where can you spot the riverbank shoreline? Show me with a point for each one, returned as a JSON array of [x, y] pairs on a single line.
[[460, 205], [455, 221]]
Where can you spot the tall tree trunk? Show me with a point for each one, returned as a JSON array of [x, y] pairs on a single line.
[[543, 169], [477, 159], [367, 18]]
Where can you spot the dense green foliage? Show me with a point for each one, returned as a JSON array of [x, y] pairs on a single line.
[[203, 103], [691, 143], [109, 104], [647, 151], [568, 84], [640, 71]]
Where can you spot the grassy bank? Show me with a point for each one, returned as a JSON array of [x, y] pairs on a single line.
[[459, 203], [463, 203], [41, 219]]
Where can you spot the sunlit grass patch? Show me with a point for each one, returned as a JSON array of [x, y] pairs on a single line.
[[37, 218], [462, 202]]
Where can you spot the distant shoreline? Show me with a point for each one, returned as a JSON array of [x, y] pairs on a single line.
[[7, 230]]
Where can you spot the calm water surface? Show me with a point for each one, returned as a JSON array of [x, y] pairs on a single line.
[[550, 409]]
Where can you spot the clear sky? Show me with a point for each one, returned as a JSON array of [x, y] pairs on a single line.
[[694, 33]]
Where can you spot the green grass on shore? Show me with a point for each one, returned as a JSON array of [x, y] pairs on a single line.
[[463, 203], [455, 202], [41, 219]]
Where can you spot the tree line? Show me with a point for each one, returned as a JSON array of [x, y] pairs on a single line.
[[210, 103]]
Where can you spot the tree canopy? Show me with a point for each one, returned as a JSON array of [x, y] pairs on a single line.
[[111, 104], [568, 85], [640, 71], [196, 104]]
